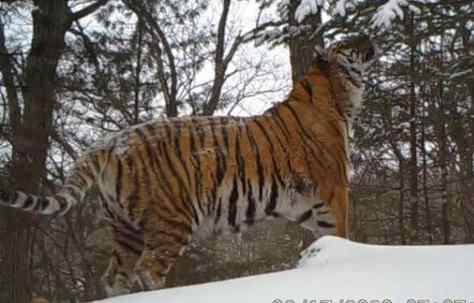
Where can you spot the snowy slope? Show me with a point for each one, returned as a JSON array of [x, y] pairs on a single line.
[[339, 270]]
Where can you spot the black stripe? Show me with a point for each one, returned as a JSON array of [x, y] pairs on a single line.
[[108, 212], [251, 208], [37, 206], [14, 197], [200, 132], [275, 167], [164, 185], [146, 190], [325, 224], [284, 145], [129, 234], [197, 171], [184, 189], [118, 180], [82, 177], [74, 192], [221, 163], [194, 212], [305, 216], [280, 122], [306, 87], [260, 175], [28, 202], [95, 162], [225, 134], [156, 168], [218, 211], [305, 137], [240, 161], [63, 204], [134, 195], [117, 257], [234, 195], [123, 222], [272, 203], [5, 196], [44, 203], [318, 205], [126, 245], [217, 177], [179, 154], [155, 164], [349, 76]]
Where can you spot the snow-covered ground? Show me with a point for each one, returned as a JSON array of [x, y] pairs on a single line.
[[337, 270]]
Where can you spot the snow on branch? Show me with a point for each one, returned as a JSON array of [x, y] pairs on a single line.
[[340, 8], [306, 8], [389, 11], [27, 5]]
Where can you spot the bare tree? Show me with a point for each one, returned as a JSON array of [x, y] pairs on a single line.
[[31, 127]]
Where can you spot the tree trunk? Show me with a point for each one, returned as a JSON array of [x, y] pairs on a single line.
[[429, 229], [401, 206], [302, 47], [30, 138], [301, 56], [413, 135]]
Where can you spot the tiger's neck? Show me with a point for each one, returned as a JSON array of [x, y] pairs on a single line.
[[322, 106], [347, 90], [327, 89]]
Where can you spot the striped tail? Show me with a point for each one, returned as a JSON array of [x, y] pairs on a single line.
[[73, 192]]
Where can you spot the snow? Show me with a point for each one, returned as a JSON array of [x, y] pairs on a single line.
[[27, 5], [307, 7], [337, 270], [384, 16], [340, 8], [389, 11]]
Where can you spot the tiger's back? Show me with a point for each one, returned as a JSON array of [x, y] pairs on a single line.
[[216, 171]]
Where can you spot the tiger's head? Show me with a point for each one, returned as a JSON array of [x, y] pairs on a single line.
[[353, 55]]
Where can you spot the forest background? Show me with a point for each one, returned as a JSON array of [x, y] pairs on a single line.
[[72, 71]]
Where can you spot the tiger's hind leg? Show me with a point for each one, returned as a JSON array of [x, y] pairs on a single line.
[[165, 242], [119, 277]]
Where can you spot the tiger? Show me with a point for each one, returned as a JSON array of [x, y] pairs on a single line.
[[163, 181]]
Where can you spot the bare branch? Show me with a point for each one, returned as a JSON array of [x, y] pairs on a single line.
[[170, 91], [221, 61], [88, 9]]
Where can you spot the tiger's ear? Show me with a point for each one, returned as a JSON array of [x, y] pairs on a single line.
[[320, 58]]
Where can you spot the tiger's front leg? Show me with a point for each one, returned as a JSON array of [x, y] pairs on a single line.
[[328, 218], [319, 220], [339, 204]]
